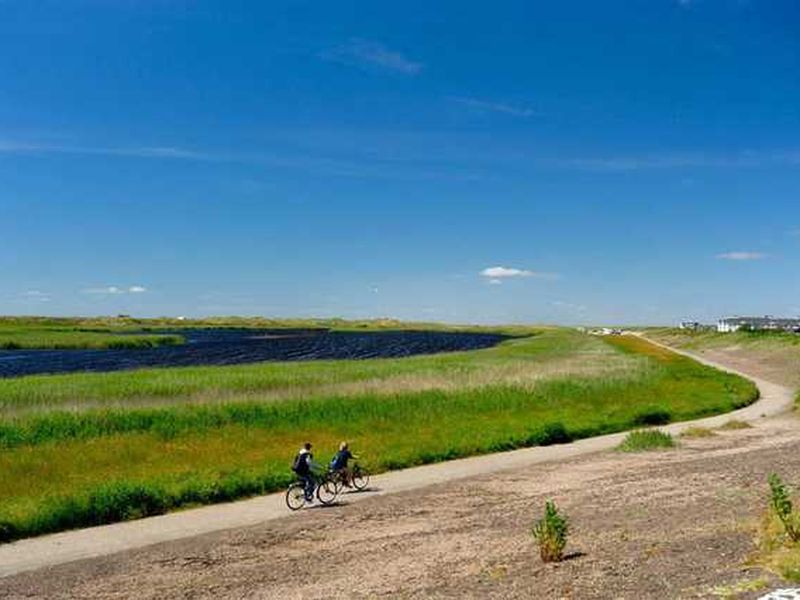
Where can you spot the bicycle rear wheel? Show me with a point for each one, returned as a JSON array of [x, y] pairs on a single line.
[[326, 491], [296, 496], [360, 478]]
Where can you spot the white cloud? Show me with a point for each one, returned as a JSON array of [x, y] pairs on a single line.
[[742, 256], [496, 275], [499, 107], [114, 290], [689, 160], [37, 296], [503, 272], [111, 289], [14, 147], [365, 53]]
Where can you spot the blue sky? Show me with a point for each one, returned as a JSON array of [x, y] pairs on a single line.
[[579, 162]]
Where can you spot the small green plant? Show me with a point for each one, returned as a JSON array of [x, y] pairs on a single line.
[[735, 424], [698, 432], [646, 439], [550, 532], [736, 589], [781, 504]]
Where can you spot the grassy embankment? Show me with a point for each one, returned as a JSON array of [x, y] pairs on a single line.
[[159, 442], [32, 333], [774, 356]]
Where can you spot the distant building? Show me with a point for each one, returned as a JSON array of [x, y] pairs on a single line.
[[758, 324], [690, 325]]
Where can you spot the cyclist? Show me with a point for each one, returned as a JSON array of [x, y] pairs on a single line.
[[303, 466], [339, 463]]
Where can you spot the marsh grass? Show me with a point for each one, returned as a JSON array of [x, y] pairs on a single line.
[[63, 340], [18, 334], [59, 468], [646, 439], [521, 361]]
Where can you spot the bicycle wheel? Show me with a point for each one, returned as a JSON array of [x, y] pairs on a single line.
[[338, 481], [326, 491], [360, 478], [296, 496]]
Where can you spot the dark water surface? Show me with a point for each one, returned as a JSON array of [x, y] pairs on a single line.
[[236, 346]]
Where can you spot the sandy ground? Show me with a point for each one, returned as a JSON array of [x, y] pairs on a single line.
[[673, 524], [770, 363]]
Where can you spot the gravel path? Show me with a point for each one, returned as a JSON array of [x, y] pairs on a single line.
[[57, 549]]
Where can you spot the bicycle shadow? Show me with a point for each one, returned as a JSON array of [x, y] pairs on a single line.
[[316, 506], [366, 490]]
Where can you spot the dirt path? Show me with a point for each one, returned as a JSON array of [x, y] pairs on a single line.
[[674, 524]]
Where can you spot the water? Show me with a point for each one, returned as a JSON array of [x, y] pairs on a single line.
[[238, 346]]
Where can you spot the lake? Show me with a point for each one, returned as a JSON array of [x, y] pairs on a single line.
[[237, 346]]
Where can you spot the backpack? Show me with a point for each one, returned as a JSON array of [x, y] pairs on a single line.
[[297, 463]]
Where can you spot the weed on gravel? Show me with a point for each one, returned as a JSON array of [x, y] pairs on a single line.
[[646, 439]]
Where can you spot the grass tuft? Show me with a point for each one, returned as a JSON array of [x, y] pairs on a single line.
[[735, 424], [698, 433], [646, 439]]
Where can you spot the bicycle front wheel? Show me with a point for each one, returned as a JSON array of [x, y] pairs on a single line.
[[296, 496], [326, 492], [338, 481], [360, 479]]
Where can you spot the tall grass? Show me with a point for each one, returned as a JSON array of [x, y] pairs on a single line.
[[610, 399]]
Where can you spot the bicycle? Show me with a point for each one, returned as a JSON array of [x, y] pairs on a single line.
[[325, 490], [359, 478]]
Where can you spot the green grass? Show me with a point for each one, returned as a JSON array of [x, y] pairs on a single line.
[[646, 439], [18, 333], [52, 339], [82, 449]]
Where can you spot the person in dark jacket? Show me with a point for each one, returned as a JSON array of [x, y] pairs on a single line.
[[340, 460], [304, 469]]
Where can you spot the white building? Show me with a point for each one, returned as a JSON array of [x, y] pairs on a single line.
[[767, 323]]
